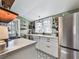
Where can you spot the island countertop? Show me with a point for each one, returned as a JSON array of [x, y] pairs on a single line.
[[18, 44]]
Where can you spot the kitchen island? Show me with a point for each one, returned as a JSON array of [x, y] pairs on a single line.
[[20, 49]]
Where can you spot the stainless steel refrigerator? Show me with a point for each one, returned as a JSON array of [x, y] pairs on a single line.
[[70, 42]]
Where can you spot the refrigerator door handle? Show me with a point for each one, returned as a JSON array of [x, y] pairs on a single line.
[[69, 48]]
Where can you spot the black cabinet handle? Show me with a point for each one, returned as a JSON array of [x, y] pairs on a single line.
[[69, 48]]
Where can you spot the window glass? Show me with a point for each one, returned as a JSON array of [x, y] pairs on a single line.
[[47, 25], [43, 26], [38, 27], [12, 27]]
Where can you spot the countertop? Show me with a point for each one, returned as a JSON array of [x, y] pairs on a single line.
[[40, 35], [17, 44]]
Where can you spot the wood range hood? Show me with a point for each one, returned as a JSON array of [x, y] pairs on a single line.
[[6, 15]]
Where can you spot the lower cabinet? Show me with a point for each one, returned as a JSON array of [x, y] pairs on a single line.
[[42, 55], [28, 52], [47, 48]]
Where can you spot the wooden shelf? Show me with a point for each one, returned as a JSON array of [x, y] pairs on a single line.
[[7, 15]]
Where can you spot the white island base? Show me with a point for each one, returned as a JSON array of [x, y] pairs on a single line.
[[22, 49]]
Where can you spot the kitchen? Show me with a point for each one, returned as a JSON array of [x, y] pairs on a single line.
[[47, 34]]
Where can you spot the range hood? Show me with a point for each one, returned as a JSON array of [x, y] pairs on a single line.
[[7, 15]]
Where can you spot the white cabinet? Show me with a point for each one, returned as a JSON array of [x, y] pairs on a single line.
[[48, 46], [42, 55], [22, 53], [21, 49]]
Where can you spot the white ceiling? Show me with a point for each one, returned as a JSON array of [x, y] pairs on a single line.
[[32, 9]]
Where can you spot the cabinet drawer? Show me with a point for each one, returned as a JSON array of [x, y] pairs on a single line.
[[36, 38], [47, 44], [43, 39], [53, 50], [48, 48], [52, 41]]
